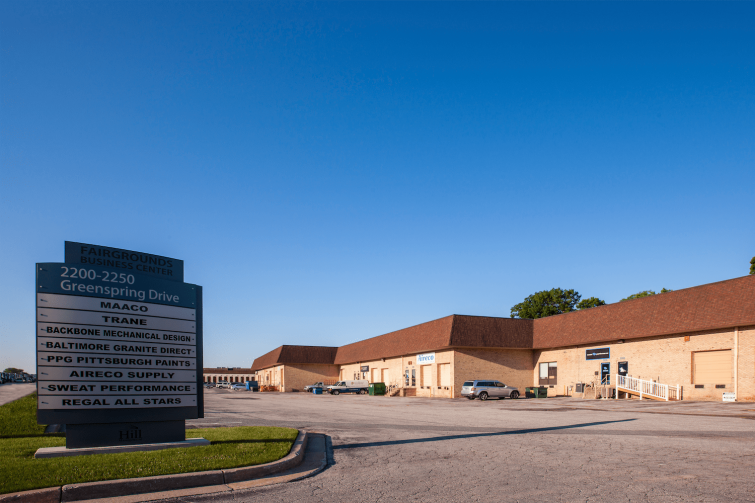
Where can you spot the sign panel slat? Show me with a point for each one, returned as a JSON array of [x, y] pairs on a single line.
[[97, 360], [118, 374], [111, 334], [66, 345], [114, 320], [114, 306], [120, 402], [61, 388]]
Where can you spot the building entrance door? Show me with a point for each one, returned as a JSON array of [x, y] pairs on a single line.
[[605, 373]]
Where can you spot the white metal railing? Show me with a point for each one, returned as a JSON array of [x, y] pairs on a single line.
[[647, 388]]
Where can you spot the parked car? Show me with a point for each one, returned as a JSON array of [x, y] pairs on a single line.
[[209, 385], [488, 388], [223, 384], [359, 386], [237, 386], [310, 387]]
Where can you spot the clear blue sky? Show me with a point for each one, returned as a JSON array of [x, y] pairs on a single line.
[[332, 172]]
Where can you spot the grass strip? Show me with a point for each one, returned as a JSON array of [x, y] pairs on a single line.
[[19, 418], [230, 448]]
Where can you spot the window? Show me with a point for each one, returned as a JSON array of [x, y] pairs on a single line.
[[500, 385], [548, 373], [414, 378], [407, 377]]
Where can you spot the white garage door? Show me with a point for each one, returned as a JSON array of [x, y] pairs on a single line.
[[426, 375], [713, 367], [445, 374]]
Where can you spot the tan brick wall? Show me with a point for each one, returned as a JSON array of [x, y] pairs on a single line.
[[666, 359], [512, 367], [746, 365], [295, 377], [394, 368]]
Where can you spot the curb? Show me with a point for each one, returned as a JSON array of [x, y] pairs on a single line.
[[125, 487]]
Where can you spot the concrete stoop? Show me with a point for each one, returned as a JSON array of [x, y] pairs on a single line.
[[307, 457]]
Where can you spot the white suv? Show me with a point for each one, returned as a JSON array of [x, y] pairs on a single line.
[[488, 388]]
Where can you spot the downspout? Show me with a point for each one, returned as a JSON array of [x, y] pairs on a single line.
[[736, 362]]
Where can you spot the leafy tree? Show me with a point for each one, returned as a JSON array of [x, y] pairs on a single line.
[[639, 295], [591, 302], [13, 370], [645, 293], [546, 303], [752, 266]]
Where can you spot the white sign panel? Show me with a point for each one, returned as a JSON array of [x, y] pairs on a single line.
[[112, 334], [63, 388], [56, 301], [115, 402], [425, 358], [105, 353], [105, 360], [729, 397], [116, 374], [128, 347], [139, 321]]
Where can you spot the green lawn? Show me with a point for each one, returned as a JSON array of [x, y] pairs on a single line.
[[20, 437]]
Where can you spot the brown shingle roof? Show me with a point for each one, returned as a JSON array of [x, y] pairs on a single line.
[[716, 305], [424, 337], [452, 331], [724, 304], [295, 354]]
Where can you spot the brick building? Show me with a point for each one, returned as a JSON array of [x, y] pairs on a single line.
[[228, 374], [701, 338]]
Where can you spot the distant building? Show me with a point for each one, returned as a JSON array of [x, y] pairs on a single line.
[[230, 374]]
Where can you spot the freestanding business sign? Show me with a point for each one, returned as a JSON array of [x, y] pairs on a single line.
[[119, 353]]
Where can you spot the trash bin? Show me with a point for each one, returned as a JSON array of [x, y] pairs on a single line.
[[530, 392], [542, 392], [317, 391], [377, 388]]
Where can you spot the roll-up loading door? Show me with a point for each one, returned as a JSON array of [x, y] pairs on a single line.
[[713, 367]]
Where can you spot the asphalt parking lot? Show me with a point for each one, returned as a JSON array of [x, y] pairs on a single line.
[[557, 449]]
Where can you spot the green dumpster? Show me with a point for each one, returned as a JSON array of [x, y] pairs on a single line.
[[377, 388], [536, 392]]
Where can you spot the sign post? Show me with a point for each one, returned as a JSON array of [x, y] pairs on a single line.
[[119, 347]]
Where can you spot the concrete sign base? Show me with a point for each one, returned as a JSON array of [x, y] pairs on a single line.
[[79, 436], [55, 452]]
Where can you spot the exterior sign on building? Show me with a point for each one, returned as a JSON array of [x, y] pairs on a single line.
[[426, 358], [115, 259], [117, 344], [729, 397], [598, 354], [365, 368]]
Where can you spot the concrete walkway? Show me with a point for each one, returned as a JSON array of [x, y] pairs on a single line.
[[13, 391]]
